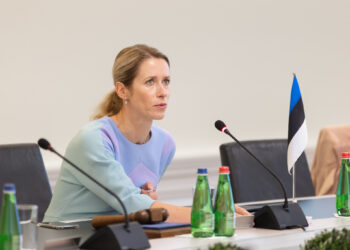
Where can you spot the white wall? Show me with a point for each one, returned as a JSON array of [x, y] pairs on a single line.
[[230, 60]]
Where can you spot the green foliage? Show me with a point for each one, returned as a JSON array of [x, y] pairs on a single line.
[[334, 240], [220, 246]]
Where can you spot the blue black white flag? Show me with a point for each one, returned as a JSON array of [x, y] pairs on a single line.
[[297, 133]]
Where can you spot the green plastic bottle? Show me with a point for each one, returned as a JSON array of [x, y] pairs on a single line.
[[343, 191], [202, 216], [10, 229], [224, 209]]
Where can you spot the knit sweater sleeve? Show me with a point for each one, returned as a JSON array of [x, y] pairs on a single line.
[[88, 151]]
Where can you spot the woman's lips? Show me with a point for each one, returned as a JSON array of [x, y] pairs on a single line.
[[161, 106]]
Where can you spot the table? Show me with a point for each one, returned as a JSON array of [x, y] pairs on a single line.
[[255, 238], [321, 209]]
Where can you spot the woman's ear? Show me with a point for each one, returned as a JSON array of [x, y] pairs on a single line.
[[121, 90]]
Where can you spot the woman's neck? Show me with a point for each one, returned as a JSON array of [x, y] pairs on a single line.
[[134, 129]]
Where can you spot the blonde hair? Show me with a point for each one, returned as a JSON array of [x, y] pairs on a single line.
[[125, 69]]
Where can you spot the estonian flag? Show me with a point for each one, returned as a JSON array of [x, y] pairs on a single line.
[[297, 134]]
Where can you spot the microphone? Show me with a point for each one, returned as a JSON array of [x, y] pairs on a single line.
[[272, 216], [220, 125], [131, 235]]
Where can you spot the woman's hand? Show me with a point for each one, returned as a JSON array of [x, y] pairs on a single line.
[[148, 189], [241, 211]]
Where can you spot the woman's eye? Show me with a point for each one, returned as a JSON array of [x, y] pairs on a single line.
[[166, 81], [149, 82]]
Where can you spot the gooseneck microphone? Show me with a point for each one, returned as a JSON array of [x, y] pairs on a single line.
[[272, 216], [220, 125], [129, 236]]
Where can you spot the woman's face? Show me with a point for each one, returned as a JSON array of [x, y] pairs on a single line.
[[149, 92]]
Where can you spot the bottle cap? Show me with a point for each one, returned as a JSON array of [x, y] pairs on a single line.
[[345, 155], [224, 170], [202, 171], [9, 187]]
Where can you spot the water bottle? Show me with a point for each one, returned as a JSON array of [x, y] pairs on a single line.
[[202, 216], [10, 229], [343, 190], [224, 208]]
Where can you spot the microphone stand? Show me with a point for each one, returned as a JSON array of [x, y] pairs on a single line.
[[285, 205], [115, 236], [290, 215]]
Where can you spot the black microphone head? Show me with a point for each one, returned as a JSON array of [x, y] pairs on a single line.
[[220, 125], [44, 144]]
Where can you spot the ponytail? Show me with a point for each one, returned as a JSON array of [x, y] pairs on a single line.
[[109, 106]]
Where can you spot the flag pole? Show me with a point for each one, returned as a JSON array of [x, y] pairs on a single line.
[[293, 188], [293, 198]]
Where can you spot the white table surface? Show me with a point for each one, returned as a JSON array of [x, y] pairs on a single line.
[[321, 207], [255, 238]]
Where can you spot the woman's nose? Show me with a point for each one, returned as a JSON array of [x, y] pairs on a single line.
[[163, 90]]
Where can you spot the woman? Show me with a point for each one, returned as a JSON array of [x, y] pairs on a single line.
[[121, 148]]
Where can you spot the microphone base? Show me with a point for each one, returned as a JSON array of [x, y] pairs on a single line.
[[277, 217], [116, 237]]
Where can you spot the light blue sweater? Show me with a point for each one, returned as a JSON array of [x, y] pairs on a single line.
[[102, 151]]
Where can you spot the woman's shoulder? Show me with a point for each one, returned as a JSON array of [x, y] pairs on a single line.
[[92, 132], [165, 136], [91, 142], [91, 128], [157, 131]]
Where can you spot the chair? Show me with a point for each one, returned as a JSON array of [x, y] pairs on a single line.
[[332, 141], [251, 182], [22, 165]]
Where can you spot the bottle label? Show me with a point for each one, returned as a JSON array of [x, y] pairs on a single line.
[[213, 221], [234, 220], [202, 220], [8, 192], [230, 221]]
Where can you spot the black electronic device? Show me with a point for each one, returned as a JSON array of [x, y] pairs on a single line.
[[288, 215], [116, 236]]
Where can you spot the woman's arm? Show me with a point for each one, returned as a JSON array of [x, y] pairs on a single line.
[[176, 213], [183, 214], [89, 151], [241, 211]]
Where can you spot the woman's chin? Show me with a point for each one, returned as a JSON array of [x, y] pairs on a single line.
[[158, 117]]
